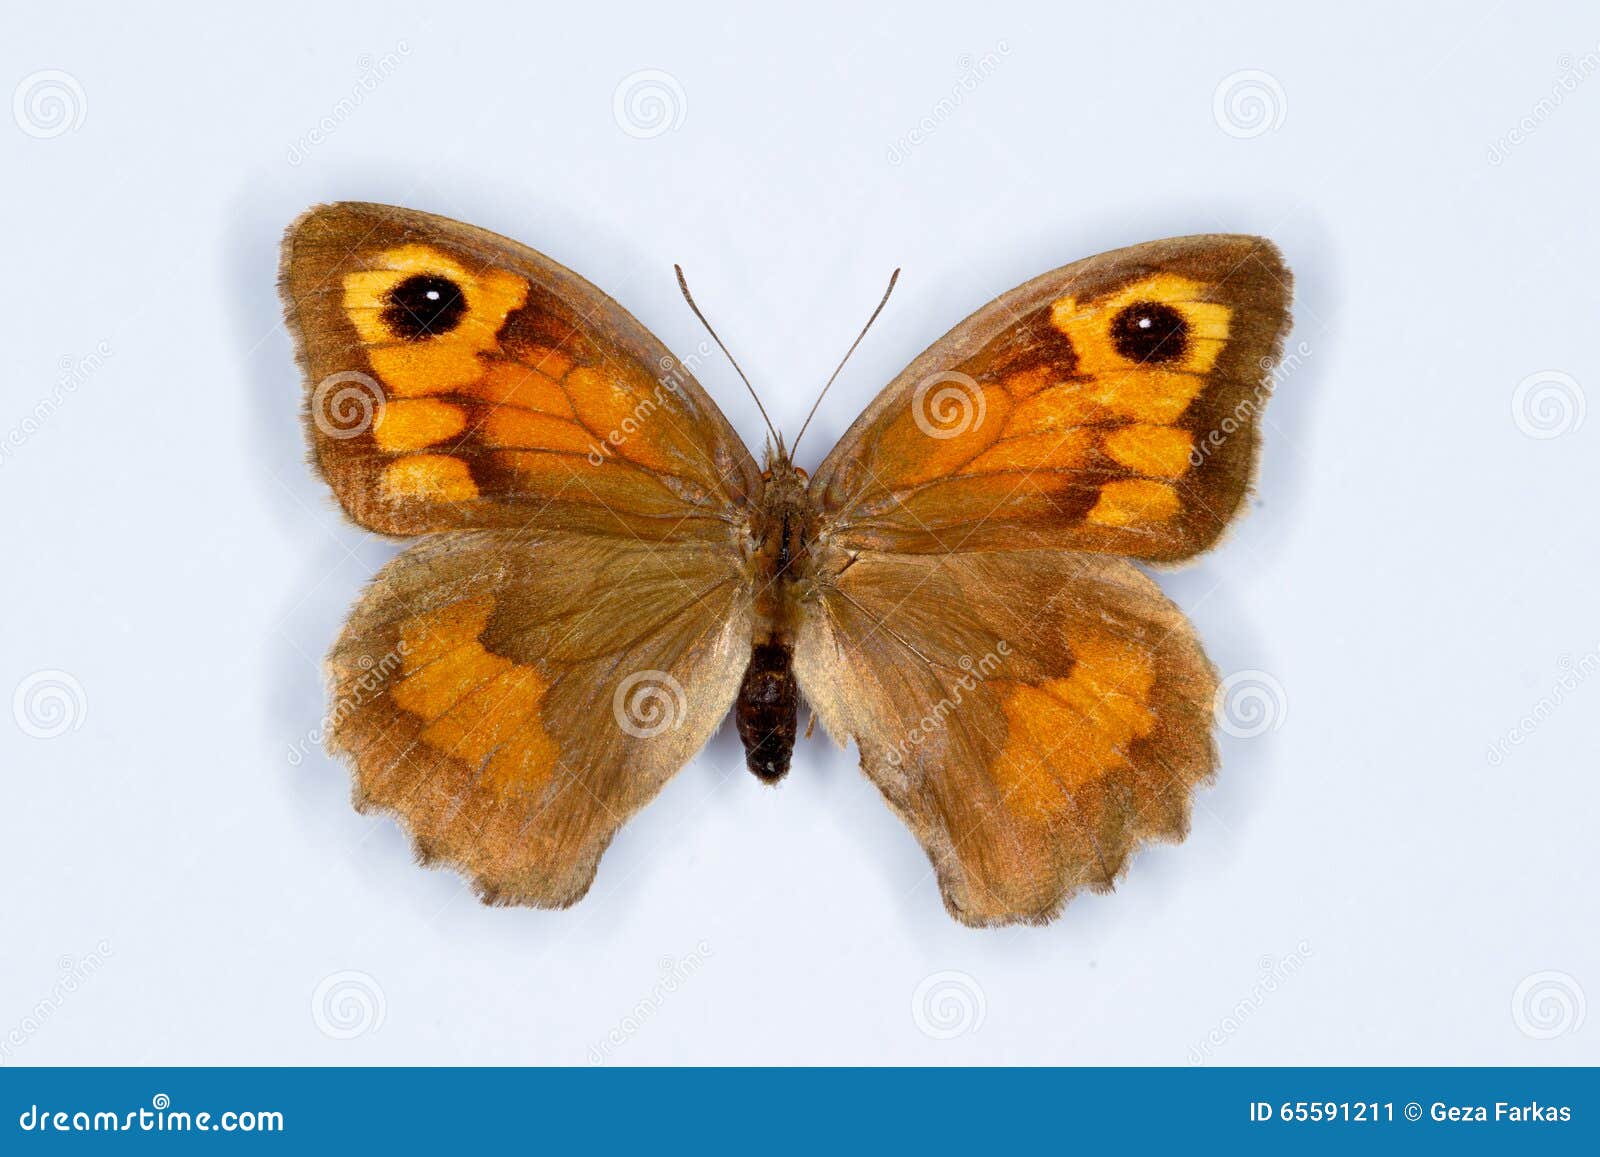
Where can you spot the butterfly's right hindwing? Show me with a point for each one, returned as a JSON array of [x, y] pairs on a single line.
[[1032, 716]]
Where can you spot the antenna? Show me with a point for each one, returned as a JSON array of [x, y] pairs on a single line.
[[687, 296], [893, 277]]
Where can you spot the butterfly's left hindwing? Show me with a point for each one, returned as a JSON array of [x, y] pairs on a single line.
[[514, 697]]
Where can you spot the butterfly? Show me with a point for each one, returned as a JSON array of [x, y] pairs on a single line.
[[603, 570]]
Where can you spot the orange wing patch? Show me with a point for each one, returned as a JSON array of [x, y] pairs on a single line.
[[1134, 502], [533, 385], [432, 477], [1065, 734], [1160, 451], [477, 707], [417, 424]]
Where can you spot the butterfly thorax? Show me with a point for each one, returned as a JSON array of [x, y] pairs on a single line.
[[768, 706]]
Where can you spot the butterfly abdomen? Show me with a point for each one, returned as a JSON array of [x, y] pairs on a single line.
[[768, 710]]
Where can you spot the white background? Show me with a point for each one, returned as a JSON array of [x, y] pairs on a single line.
[[1416, 572]]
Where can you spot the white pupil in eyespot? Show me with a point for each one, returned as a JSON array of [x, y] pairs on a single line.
[[1144, 322], [433, 295]]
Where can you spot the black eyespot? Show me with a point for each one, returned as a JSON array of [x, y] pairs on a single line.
[[1150, 332], [424, 306]]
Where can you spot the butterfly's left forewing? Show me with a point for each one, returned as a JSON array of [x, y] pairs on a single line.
[[1032, 706], [574, 626], [456, 379]]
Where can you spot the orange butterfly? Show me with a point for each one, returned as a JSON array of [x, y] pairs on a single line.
[[606, 570]]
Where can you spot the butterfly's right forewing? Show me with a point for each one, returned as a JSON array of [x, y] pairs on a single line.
[[1111, 406]]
